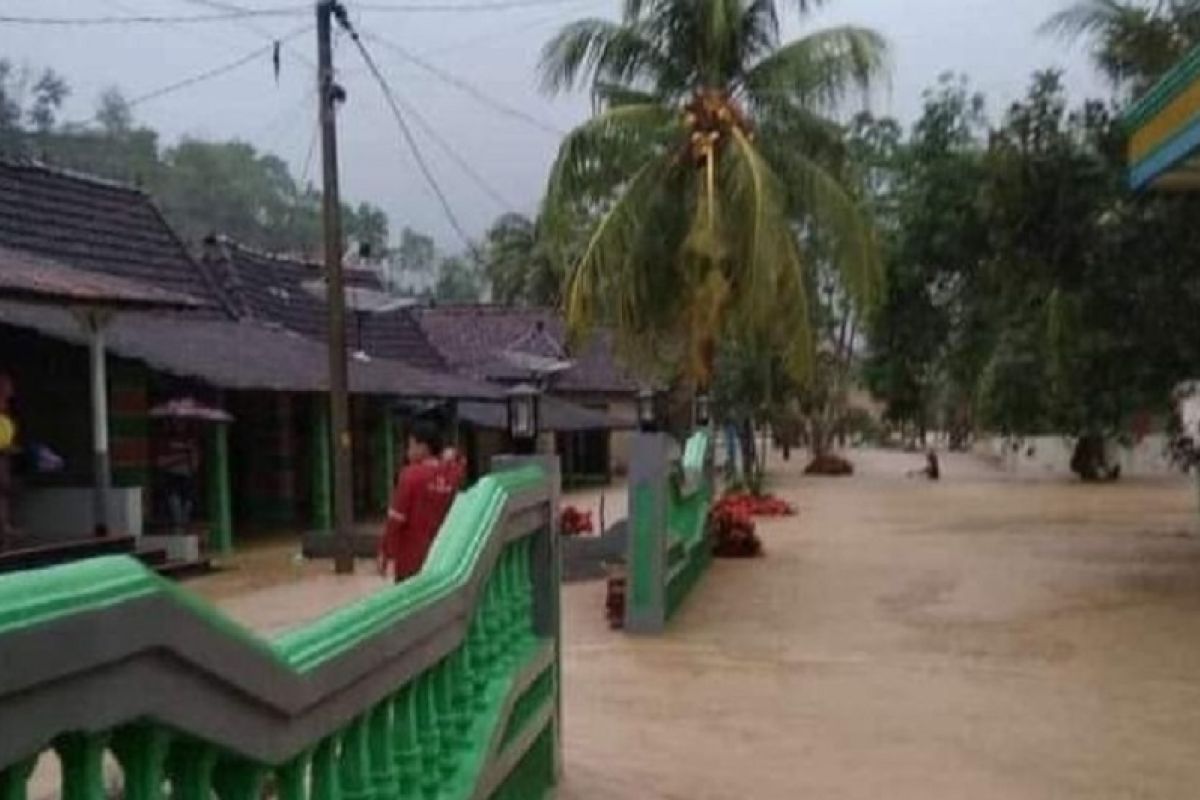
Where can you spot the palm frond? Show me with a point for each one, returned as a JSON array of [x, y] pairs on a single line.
[[598, 50], [772, 298], [613, 278], [820, 199], [819, 70], [597, 157], [1085, 18]]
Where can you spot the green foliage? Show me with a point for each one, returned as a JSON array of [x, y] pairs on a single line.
[[1133, 42], [458, 281], [1028, 291], [519, 265], [202, 186], [708, 151]]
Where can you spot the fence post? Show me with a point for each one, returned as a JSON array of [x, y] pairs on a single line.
[[546, 555], [646, 600]]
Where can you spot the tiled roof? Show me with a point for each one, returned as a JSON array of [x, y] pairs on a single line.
[[473, 339], [242, 355], [35, 278], [271, 288], [96, 225]]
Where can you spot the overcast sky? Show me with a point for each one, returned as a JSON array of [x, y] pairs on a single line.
[[995, 43]]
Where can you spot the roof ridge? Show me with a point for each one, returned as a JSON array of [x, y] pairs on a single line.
[[230, 242], [34, 164]]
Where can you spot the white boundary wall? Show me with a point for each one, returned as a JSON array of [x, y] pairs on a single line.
[[1051, 455]]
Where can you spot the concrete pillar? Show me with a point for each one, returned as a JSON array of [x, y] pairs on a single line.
[[646, 582]]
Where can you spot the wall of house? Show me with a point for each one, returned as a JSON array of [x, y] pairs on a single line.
[[622, 409]]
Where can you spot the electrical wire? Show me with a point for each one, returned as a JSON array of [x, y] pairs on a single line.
[[152, 19], [467, 87], [212, 73], [496, 196], [413, 147], [497, 5], [250, 25], [232, 12], [492, 36]]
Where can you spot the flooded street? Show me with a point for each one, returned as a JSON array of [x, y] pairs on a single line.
[[982, 637], [977, 638]]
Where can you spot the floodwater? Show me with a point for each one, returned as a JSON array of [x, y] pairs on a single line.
[[977, 638], [981, 637]]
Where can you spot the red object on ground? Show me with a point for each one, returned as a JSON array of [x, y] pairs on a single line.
[[756, 506], [573, 522], [734, 534], [614, 600]]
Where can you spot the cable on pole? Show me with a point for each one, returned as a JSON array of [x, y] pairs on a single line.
[[465, 86], [406, 131], [212, 73], [152, 19]]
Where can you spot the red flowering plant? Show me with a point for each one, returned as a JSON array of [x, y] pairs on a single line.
[[573, 522], [733, 532]]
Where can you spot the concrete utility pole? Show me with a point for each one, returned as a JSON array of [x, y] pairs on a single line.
[[328, 95]]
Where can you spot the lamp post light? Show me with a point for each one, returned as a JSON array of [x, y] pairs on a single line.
[[647, 410], [523, 417], [702, 408]]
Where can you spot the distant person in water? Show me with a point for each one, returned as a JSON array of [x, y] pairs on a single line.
[[420, 501], [932, 470]]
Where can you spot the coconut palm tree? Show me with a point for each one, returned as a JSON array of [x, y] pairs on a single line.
[[1134, 42], [711, 170]]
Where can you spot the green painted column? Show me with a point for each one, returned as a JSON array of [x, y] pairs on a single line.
[[384, 457], [322, 466], [220, 506]]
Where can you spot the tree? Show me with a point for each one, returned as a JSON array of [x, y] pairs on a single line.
[[1134, 43], [709, 151], [518, 264], [46, 94], [458, 282], [113, 113], [925, 195], [412, 266], [367, 225]]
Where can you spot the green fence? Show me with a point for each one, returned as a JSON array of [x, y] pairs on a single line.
[[445, 686], [669, 546]]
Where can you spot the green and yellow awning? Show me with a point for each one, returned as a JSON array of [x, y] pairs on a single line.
[[1164, 145]]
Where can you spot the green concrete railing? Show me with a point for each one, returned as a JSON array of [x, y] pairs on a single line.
[[445, 686], [669, 546]]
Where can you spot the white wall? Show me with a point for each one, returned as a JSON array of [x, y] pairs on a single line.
[[1051, 455]]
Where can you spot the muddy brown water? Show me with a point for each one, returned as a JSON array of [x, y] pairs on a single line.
[[980, 638]]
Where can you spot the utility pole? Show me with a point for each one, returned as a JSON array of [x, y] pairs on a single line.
[[329, 94]]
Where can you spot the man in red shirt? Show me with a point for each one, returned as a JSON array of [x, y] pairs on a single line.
[[420, 501]]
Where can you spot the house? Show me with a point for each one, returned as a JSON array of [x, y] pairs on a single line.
[[508, 345], [268, 376], [577, 413]]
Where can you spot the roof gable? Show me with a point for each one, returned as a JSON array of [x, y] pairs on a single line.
[[96, 225], [272, 289], [473, 339]]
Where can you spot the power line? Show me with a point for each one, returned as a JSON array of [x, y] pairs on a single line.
[[232, 12], [407, 133], [251, 25], [462, 163], [214, 72], [465, 86], [153, 19], [498, 5], [493, 35]]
